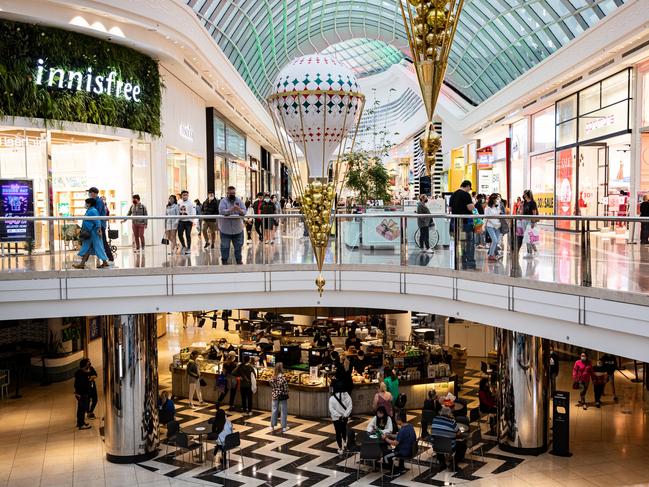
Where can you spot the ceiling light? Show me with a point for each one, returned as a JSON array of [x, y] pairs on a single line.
[[339, 319], [349, 321], [322, 317], [423, 330], [116, 31], [422, 314]]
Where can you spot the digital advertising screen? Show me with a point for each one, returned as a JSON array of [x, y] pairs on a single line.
[[16, 200]]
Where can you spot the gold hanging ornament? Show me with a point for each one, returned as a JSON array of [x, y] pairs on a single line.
[[430, 27]]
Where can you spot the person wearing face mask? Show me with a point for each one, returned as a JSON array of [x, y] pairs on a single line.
[[231, 228], [138, 209], [268, 208], [171, 225], [210, 207], [91, 237], [582, 373], [186, 209], [424, 225], [493, 226]]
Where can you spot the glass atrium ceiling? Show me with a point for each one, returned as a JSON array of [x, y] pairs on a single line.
[[496, 40]]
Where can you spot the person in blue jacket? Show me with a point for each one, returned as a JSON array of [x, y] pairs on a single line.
[[93, 244]]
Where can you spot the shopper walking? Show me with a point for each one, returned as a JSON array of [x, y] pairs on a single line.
[[231, 382], [279, 394], [102, 210], [423, 224], [340, 409], [461, 203], [493, 226], [82, 392], [531, 233], [186, 209], [644, 226], [553, 362], [199, 211], [171, 224], [599, 382], [582, 372], [278, 210], [210, 207], [138, 226], [268, 208], [610, 362], [231, 228], [194, 379], [256, 210], [247, 375], [90, 235], [479, 229]]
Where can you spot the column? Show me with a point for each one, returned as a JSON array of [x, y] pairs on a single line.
[[523, 403], [130, 387], [402, 324]]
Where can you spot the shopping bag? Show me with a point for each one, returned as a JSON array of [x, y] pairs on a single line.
[[531, 235]]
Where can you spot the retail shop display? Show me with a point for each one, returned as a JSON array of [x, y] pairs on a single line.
[[430, 26], [316, 105]]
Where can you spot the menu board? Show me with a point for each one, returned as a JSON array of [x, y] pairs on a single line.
[[16, 200]]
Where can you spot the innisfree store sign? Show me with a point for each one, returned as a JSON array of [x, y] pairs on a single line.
[[57, 75]]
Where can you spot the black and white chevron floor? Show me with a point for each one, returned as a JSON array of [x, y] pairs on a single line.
[[306, 454]]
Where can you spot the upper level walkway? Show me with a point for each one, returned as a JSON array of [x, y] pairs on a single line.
[[587, 288]]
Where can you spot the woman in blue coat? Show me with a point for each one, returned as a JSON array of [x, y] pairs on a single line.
[[93, 244]]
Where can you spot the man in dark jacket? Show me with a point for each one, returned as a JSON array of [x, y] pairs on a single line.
[[82, 392], [256, 209], [209, 207], [424, 224], [245, 371], [610, 365]]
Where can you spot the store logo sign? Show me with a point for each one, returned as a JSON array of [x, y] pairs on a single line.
[[599, 123], [186, 132], [70, 80]]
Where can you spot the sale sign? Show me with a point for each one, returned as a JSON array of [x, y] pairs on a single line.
[[565, 186], [16, 199]]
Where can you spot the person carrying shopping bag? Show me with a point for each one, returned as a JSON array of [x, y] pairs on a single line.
[[90, 235]]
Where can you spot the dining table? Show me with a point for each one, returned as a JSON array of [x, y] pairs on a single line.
[[199, 430]]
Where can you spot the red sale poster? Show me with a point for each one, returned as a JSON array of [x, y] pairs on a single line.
[[565, 186]]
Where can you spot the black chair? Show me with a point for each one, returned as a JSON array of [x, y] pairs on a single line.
[[232, 441], [185, 445], [474, 440], [351, 446], [474, 415], [165, 416], [427, 417], [370, 451], [414, 453], [173, 428], [462, 419], [444, 446]]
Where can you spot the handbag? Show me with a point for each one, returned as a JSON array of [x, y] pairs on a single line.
[[575, 385], [113, 234], [164, 241], [202, 382], [504, 227], [84, 234]]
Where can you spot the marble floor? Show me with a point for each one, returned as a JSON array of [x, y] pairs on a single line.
[[39, 445], [615, 263]]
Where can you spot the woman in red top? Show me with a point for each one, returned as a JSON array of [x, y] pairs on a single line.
[[582, 372]]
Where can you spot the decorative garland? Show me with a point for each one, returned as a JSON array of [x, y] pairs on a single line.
[[25, 47]]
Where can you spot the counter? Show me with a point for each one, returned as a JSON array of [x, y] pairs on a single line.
[[313, 401]]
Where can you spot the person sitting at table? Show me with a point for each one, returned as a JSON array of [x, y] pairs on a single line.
[[444, 425], [380, 424], [166, 407], [402, 444], [222, 426], [487, 399], [430, 404]]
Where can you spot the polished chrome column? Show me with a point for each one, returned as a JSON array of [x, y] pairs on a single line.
[[523, 393], [130, 387]]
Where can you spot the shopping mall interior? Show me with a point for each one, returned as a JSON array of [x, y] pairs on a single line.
[[324, 243]]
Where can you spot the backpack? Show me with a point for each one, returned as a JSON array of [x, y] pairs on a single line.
[[401, 401]]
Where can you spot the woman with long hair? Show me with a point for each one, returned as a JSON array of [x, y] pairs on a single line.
[[493, 226], [171, 224], [530, 235], [380, 424], [383, 398], [392, 383], [279, 393], [222, 427]]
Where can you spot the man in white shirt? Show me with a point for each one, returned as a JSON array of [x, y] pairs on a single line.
[[186, 210]]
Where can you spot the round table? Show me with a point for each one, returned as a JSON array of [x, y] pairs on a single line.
[[464, 428], [199, 429]]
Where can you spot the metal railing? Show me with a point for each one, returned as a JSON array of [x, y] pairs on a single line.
[[578, 250]]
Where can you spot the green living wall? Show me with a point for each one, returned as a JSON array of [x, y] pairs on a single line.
[[23, 45]]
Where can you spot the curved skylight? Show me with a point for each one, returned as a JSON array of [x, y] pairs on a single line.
[[364, 56], [496, 40]]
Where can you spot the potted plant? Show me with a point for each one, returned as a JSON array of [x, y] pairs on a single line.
[[68, 336]]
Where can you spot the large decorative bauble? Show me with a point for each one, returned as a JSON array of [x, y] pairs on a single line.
[[437, 19], [415, 3], [317, 100]]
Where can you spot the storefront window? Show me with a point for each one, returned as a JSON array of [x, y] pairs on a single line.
[[235, 143], [567, 109], [219, 134], [643, 77], [519, 157], [589, 99], [492, 169], [567, 133], [543, 130], [542, 181], [615, 88], [609, 120], [566, 174]]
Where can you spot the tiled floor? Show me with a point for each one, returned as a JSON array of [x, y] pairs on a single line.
[[39, 446], [615, 264]]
